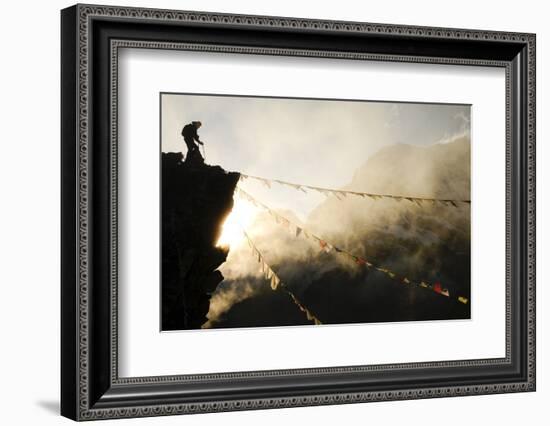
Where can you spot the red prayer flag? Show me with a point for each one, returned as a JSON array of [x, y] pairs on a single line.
[[438, 289]]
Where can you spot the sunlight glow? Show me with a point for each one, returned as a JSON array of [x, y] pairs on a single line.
[[240, 217]]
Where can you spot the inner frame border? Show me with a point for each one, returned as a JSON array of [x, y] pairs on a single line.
[[117, 44]]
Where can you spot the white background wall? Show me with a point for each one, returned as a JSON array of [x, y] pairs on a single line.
[[29, 211]]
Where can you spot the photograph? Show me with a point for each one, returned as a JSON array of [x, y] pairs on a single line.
[[279, 211]]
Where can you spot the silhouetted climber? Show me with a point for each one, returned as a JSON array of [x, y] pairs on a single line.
[[190, 135]]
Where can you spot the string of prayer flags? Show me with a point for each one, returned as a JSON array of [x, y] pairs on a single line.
[[341, 194], [275, 282], [308, 313], [328, 247]]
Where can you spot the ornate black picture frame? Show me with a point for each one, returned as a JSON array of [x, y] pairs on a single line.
[[91, 387]]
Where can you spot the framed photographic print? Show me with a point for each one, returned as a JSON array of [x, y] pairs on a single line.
[[263, 212]]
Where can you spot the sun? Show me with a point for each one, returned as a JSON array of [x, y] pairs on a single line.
[[240, 217]]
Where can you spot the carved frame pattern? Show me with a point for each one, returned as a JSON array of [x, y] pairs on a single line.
[[85, 14]]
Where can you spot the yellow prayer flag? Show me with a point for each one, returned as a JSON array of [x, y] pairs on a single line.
[[275, 282]]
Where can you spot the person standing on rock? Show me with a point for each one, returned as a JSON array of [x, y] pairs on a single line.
[[190, 135]]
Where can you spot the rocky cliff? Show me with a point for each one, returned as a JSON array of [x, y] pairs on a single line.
[[196, 198]]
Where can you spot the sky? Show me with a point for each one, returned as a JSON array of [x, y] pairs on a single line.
[[315, 142]]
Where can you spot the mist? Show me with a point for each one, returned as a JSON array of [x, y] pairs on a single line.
[[430, 242]]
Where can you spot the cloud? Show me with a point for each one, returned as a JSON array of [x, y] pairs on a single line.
[[462, 128], [429, 242], [225, 296]]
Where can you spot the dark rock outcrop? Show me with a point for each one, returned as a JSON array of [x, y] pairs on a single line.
[[196, 198]]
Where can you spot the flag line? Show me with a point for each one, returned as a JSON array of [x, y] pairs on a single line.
[[342, 193], [328, 247]]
